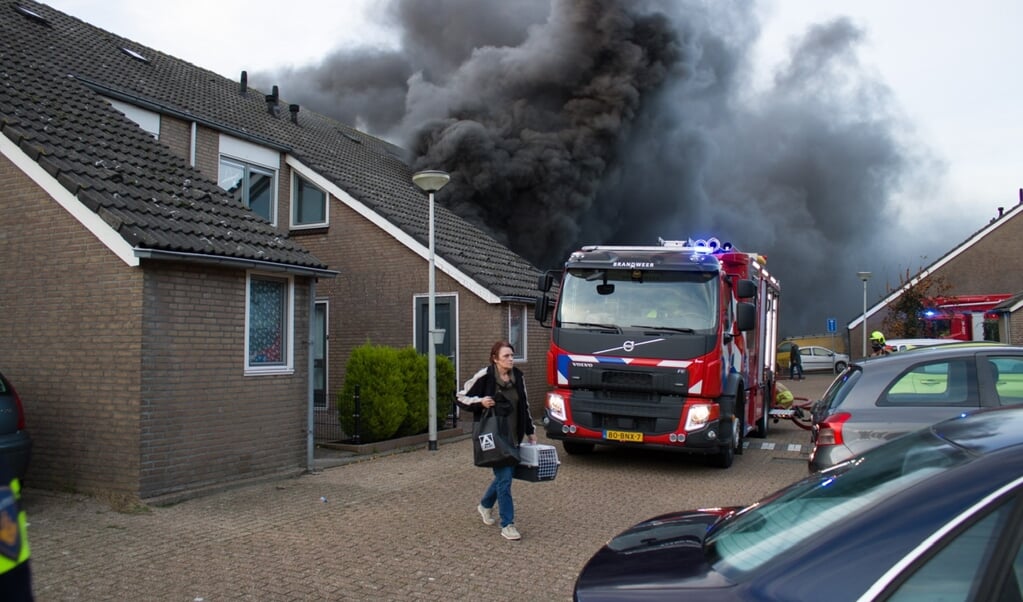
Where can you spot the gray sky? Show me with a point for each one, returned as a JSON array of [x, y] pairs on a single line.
[[945, 69]]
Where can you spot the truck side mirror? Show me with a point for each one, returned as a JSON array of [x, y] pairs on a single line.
[[542, 310], [544, 282], [745, 316]]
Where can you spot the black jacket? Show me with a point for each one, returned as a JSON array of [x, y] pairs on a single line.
[[484, 384]]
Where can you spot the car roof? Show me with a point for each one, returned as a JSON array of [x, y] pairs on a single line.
[[938, 351], [984, 431]]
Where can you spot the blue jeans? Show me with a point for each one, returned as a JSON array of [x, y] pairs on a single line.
[[500, 492]]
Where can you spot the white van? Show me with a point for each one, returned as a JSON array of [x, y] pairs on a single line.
[[904, 344]]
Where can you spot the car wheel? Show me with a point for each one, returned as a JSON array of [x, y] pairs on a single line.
[[839, 367], [574, 448]]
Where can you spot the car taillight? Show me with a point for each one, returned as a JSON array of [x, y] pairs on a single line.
[[21, 410], [829, 430]]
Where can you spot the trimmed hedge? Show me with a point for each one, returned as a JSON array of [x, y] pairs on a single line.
[[394, 392], [375, 371]]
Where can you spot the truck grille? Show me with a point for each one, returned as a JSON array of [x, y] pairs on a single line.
[[642, 380]]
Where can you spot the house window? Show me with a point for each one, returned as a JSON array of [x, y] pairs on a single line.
[[517, 330], [308, 204], [269, 324], [251, 185]]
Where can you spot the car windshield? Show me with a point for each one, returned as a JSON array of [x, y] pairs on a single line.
[[768, 529]]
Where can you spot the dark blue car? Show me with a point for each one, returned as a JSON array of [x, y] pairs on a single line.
[[934, 515]]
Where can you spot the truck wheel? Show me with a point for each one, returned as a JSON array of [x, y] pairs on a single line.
[[574, 448], [725, 457]]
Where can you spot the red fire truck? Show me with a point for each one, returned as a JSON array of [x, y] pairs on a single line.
[[963, 317], [667, 347]]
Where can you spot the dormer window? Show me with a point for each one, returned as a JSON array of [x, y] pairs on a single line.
[[252, 185]]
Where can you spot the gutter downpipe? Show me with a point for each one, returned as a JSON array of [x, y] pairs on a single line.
[[311, 409]]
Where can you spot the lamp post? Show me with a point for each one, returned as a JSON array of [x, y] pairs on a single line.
[[431, 181], [864, 276]]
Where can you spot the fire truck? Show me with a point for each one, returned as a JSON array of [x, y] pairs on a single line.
[[668, 347], [963, 317]]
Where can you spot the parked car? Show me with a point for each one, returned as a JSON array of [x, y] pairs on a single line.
[[884, 397], [933, 515], [15, 443], [816, 359], [781, 357]]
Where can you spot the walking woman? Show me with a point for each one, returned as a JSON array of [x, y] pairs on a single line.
[[500, 384]]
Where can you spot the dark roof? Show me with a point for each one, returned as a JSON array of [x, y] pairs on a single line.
[[53, 72]]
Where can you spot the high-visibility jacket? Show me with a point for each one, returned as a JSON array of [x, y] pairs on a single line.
[[13, 525]]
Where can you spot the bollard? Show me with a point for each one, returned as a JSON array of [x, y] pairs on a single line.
[[357, 436]]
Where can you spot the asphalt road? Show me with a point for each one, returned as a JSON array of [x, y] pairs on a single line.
[[402, 526]]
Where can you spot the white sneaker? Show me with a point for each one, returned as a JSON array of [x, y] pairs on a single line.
[[510, 532], [487, 514]]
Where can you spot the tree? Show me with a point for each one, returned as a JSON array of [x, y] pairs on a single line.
[[905, 312]]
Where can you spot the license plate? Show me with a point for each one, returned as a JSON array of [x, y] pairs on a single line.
[[623, 436]]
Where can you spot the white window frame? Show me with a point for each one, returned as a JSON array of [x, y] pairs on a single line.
[[288, 365], [520, 351], [248, 168], [295, 177], [252, 155]]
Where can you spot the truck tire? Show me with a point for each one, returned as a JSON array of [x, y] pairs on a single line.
[[725, 457], [575, 448]]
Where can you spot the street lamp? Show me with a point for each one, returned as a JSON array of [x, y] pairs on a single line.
[[431, 181], [864, 276]]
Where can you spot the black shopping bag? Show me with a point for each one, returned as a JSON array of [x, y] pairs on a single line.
[[491, 443]]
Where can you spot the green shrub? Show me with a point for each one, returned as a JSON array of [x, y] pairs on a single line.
[[377, 371], [417, 391], [413, 368]]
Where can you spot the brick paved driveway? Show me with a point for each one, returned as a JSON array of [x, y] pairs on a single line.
[[396, 527]]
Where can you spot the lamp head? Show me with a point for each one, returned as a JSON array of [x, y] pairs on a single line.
[[430, 180], [864, 276]]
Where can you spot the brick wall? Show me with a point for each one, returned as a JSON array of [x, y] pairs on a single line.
[[133, 378], [373, 300], [71, 327], [204, 422]]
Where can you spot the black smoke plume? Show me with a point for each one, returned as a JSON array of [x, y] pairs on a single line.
[[568, 122]]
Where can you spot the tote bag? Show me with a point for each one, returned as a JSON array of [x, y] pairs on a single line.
[[491, 443]]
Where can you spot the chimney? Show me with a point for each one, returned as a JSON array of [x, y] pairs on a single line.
[[294, 113], [271, 104], [244, 87], [276, 93], [1001, 211]]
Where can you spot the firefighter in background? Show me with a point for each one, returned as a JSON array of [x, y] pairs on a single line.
[[877, 344], [15, 573]]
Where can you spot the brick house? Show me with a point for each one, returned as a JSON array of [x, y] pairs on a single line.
[[187, 264], [984, 264]]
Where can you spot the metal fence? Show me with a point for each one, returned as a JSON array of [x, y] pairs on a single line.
[[327, 422]]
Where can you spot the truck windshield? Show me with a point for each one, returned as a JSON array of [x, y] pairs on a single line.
[[635, 299]]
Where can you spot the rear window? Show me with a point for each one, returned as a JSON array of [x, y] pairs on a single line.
[[765, 531], [840, 388]]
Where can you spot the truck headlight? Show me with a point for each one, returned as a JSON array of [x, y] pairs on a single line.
[[698, 417], [556, 406]]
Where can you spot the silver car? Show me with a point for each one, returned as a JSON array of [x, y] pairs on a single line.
[[815, 358], [882, 398]]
